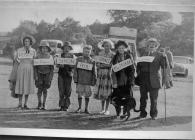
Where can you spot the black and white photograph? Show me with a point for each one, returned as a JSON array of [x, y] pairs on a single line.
[[97, 69]]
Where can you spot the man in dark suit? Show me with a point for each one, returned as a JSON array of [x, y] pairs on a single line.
[[150, 77]]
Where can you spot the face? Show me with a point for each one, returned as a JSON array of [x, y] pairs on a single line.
[[152, 46], [66, 49], [26, 42], [86, 51], [107, 46], [44, 49], [121, 49]]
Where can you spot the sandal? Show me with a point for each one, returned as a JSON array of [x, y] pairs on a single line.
[[102, 112], [26, 107], [19, 107], [39, 106], [78, 110], [86, 111]]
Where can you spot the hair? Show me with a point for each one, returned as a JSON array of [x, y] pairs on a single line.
[[87, 47], [31, 41], [108, 41], [119, 43]]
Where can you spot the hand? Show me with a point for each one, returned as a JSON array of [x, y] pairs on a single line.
[[36, 78], [60, 66], [114, 86], [164, 54]]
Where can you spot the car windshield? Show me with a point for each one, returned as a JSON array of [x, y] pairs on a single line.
[[77, 48], [182, 60], [52, 44]]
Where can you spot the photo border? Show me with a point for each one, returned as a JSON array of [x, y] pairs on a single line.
[[152, 5]]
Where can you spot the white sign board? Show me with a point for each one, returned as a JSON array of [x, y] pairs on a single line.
[[66, 61], [123, 31], [145, 59], [122, 65], [102, 59], [85, 66], [22, 55], [43, 62]]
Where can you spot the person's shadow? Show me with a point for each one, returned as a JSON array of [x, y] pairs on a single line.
[[110, 123], [69, 120]]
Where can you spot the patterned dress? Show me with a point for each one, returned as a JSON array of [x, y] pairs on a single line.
[[104, 81], [25, 74]]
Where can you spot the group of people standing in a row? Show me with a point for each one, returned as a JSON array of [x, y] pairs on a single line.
[[100, 75]]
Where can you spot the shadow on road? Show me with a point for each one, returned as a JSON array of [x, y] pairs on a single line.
[[134, 124], [54, 119]]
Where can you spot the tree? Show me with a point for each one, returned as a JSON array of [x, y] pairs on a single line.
[[25, 27], [137, 19], [141, 20], [182, 37], [98, 28]]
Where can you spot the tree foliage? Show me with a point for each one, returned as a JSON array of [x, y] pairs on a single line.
[[158, 24], [148, 23]]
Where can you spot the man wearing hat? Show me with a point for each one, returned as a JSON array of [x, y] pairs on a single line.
[[65, 74], [43, 73], [149, 77]]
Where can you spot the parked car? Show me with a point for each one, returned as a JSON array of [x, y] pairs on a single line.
[[182, 65], [77, 49]]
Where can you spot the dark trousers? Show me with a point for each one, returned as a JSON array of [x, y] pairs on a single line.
[[64, 87], [145, 87]]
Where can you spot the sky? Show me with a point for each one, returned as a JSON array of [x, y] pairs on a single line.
[[11, 16]]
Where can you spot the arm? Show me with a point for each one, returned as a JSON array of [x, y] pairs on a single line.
[[163, 65], [94, 71], [171, 60], [75, 74], [131, 75], [51, 73], [114, 79], [35, 71]]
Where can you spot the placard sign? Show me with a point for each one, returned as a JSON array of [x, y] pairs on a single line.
[[85, 66], [122, 65], [66, 61], [43, 62], [145, 59], [22, 55], [102, 59]]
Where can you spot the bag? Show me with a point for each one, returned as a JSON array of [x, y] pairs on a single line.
[[12, 86], [13, 74], [12, 79]]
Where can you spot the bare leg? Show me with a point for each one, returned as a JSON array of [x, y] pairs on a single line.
[[103, 102], [86, 105], [80, 102], [20, 101], [39, 94], [107, 104], [25, 102], [44, 97]]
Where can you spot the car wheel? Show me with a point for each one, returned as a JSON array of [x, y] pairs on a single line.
[[186, 73]]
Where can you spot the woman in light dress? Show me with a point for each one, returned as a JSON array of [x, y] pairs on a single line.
[[104, 80], [25, 73]]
